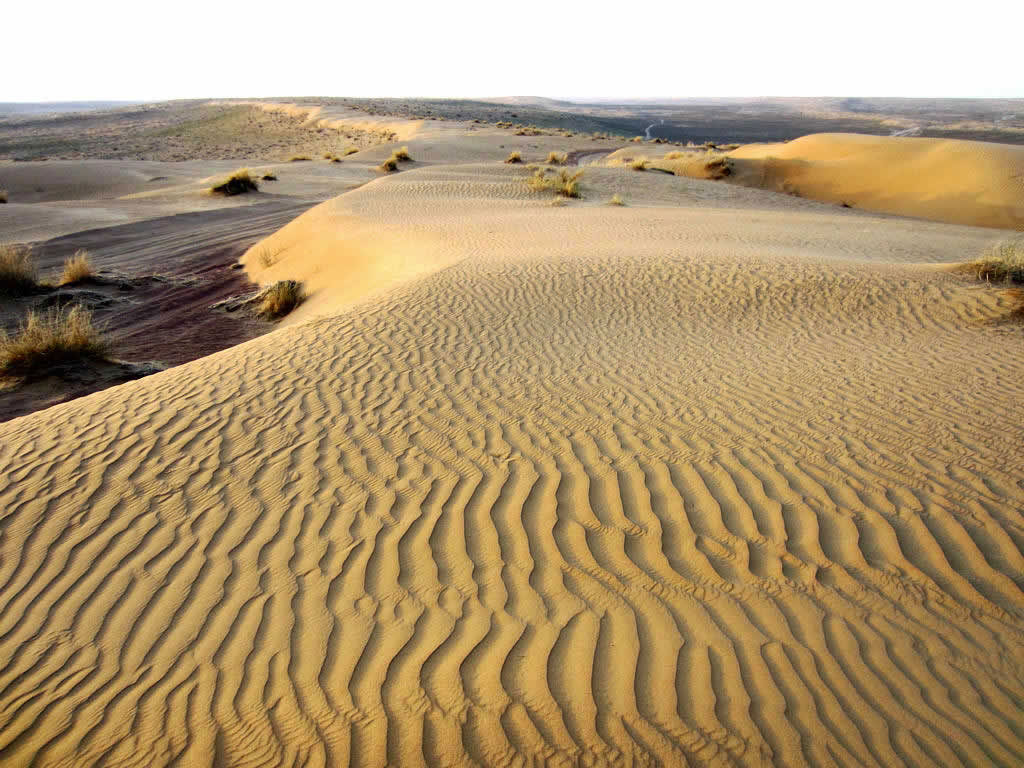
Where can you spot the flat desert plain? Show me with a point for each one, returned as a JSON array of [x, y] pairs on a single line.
[[720, 476]]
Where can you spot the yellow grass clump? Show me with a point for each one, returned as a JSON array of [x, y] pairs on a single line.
[[281, 298], [388, 165], [554, 158], [53, 338], [401, 155], [238, 183], [298, 158], [1003, 263], [616, 200], [269, 177], [562, 183], [639, 164], [674, 156], [17, 272], [349, 151], [514, 157], [77, 268], [3, 196]]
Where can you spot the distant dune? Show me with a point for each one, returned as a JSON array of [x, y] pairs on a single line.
[[966, 182]]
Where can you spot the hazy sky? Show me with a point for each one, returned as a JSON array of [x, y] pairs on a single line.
[[132, 49]]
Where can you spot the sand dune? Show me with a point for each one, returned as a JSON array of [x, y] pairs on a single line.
[[966, 182], [729, 480]]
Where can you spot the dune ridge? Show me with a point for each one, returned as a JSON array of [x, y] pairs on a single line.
[[965, 182]]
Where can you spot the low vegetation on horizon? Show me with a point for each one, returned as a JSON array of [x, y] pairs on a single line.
[[18, 274], [53, 338], [238, 183]]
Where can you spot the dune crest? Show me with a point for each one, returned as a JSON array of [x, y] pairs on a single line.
[[965, 182]]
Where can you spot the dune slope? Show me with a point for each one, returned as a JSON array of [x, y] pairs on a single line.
[[966, 182], [655, 486]]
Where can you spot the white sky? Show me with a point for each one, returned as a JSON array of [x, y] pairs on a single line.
[[134, 49]]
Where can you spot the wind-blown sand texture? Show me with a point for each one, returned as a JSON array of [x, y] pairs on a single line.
[[720, 477], [968, 182]]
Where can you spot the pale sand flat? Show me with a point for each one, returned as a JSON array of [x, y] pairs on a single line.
[[731, 480]]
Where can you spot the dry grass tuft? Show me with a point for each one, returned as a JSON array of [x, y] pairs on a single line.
[[514, 157], [402, 155], [77, 268], [17, 272], [616, 200], [638, 139], [562, 183], [281, 298], [388, 165], [554, 158], [639, 164], [53, 338], [299, 158], [349, 151], [675, 156], [238, 183], [3, 196], [1003, 263], [269, 177]]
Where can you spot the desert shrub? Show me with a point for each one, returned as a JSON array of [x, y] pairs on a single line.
[[562, 183], [1003, 263], [237, 183], [269, 177], [299, 158], [77, 268], [554, 158], [401, 155], [3, 196], [674, 156], [349, 151], [639, 164], [17, 272], [388, 165], [718, 168], [514, 157], [45, 340], [281, 298], [616, 200], [328, 156]]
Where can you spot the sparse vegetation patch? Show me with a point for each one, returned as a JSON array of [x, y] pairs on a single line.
[[562, 183], [281, 298], [299, 158], [52, 338], [18, 275], [555, 158], [514, 157], [1003, 263], [639, 164], [616, 200], [238, 183], [77, 268]]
